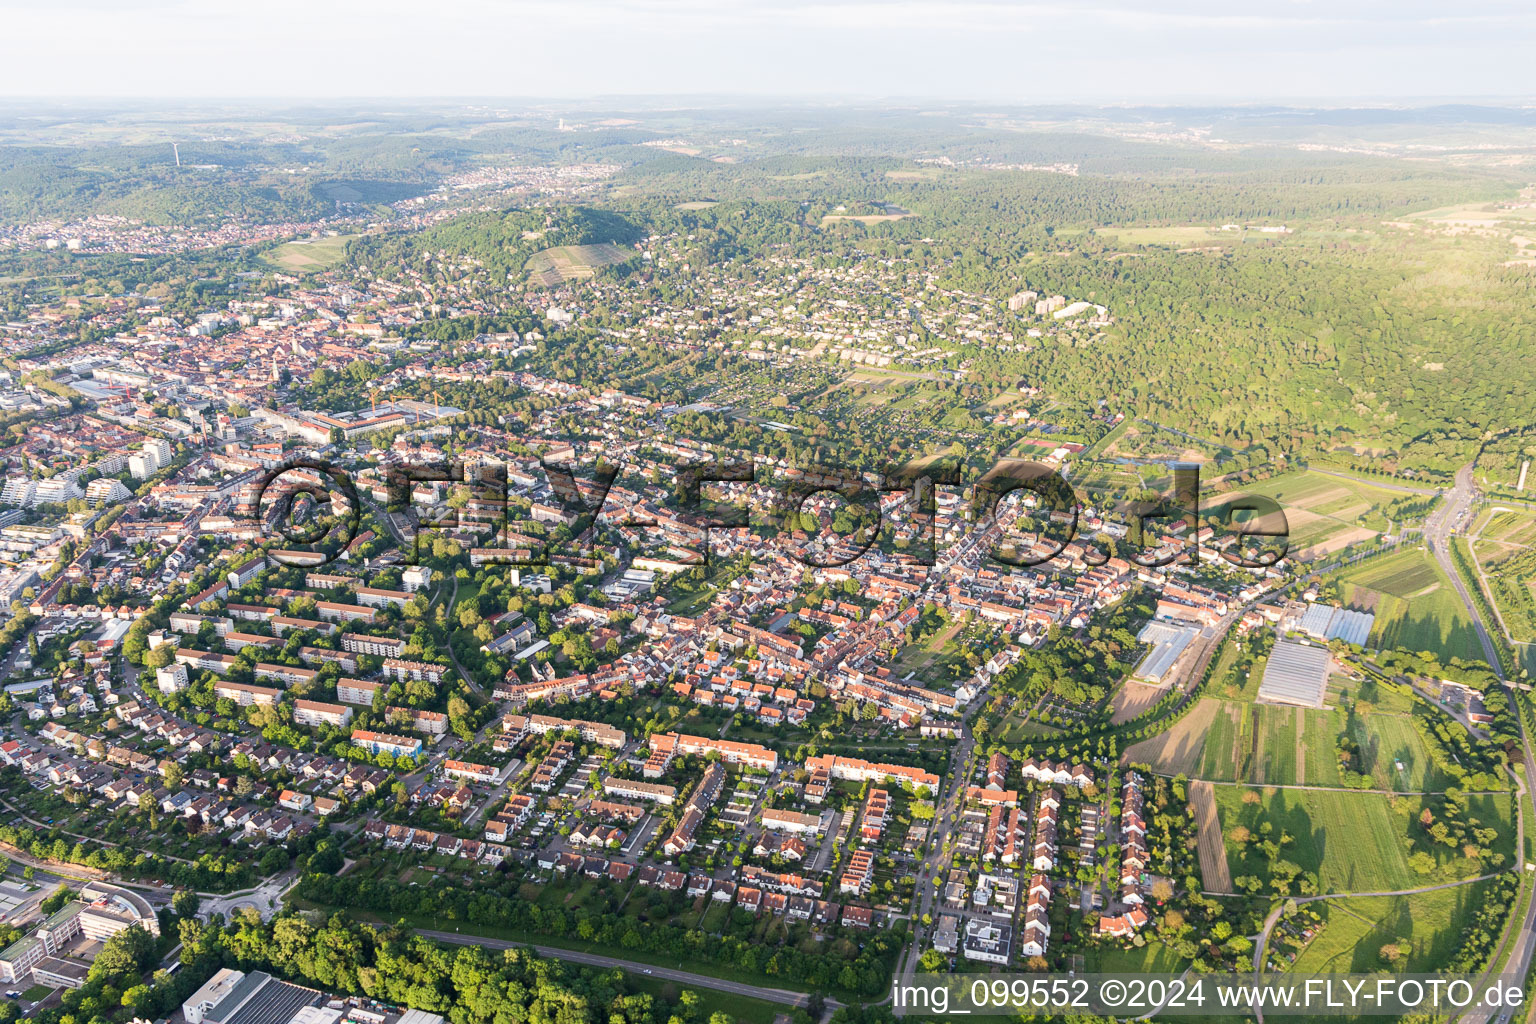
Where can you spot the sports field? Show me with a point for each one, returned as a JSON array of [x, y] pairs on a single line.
[[1415, 605]]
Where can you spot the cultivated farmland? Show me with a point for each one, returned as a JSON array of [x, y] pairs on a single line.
[[1415, 605], [1213, 851]]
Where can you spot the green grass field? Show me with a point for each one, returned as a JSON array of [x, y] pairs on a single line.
[[552, 267], [1153, 958], [1428, 924], [1415, 605], [1404, 574], [1355, 842], [308, 255], [740, 1008], [1388, 740]]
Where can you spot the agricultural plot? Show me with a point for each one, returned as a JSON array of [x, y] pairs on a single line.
[[1510, 569], [1176, 750], [1325, 513], [566, 263], [1214, 868], [1507, 528], [1269, 744], [1415, 605], [1227, 743]]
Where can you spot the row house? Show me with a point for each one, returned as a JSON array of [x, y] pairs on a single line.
[[1037, 924], [699, 801], [1052, 773], [1047, 812]]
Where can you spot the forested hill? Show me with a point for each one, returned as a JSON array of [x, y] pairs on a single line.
[[500, 241]]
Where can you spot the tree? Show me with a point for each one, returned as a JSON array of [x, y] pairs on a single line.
[[274, 861], [124, 955], [56, 900], [186, 903]]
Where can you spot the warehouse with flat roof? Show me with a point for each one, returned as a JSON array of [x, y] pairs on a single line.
[[1295, 674]]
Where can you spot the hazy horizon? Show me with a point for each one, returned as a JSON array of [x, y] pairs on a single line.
[[1117, 52]]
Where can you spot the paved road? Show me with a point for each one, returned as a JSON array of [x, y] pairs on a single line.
[[946, 811], [772, 995], [1438, 529]]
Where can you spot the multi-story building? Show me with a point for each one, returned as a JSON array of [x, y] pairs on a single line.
[[856, 770], [377, 597], [314, 712], [358, 691], [245, 695], [379, 646], [288, 675], [385, 743]]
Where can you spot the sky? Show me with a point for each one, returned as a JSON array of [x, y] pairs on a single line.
[[986, 50]]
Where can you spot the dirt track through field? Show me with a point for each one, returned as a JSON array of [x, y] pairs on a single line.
[[1301, 746], [1213, 851]]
